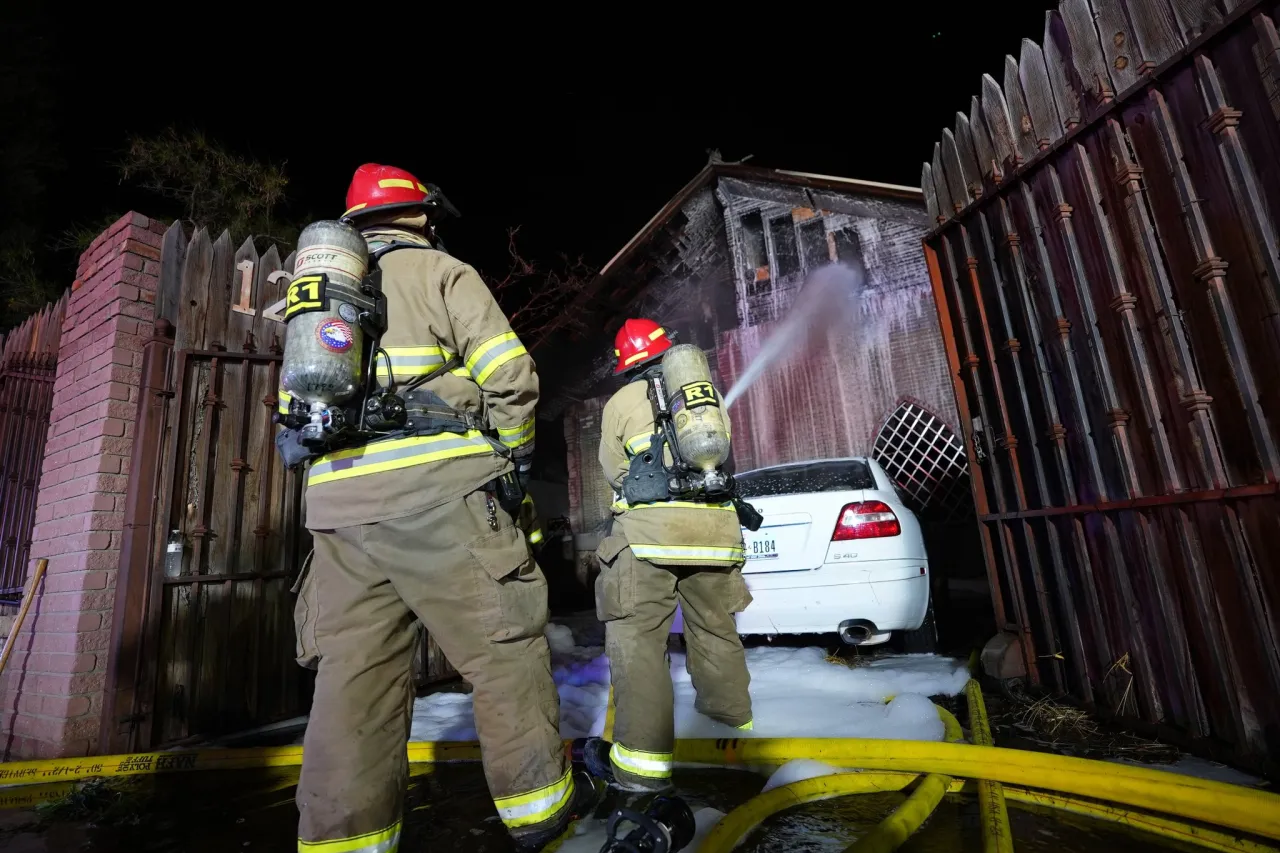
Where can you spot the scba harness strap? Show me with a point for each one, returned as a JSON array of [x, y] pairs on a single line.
[[423, 411]]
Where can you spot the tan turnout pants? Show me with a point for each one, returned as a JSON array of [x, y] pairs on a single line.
[[637, 602], [484, 600]]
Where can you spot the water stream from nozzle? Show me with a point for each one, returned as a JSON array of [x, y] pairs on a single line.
[[830, 296]]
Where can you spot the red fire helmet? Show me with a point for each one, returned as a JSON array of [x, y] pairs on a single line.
[[383, 188], [638, 341]]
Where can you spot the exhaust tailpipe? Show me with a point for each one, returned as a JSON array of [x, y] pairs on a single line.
[[855, 632]]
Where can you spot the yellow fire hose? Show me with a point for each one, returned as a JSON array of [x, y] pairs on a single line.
[[902, 823], [895, 765], [887, 836], [996, 837]]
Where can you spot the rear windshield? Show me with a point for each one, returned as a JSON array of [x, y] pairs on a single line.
[[835, 476]]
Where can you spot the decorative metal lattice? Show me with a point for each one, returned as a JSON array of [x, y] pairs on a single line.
[[927, 462]]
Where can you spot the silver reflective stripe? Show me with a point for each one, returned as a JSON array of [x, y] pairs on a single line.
[[398, 361], [492, 357], [372, 456], [688, 552], [536, 806], [655, 765], [382, 841]]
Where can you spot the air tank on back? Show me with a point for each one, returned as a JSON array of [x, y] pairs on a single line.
[[323, 340], [695, 408]]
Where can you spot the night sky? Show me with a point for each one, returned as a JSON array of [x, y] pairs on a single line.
[[579, 139]]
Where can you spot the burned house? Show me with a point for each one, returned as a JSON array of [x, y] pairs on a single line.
[[720, 264]]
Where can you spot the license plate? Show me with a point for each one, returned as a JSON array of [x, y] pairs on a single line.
[[764, 547]]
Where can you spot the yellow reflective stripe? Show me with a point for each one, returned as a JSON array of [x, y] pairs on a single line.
[[621, 505], [461, 371], [383, 841], [693, 553], [535, 537], [657, 333], [514, 437], [632, 359], [387, 183], [536, 806], [283, 399], [749, 725], [361, 206], [494, 353], [639, 443], [413, 361], [400, 453], [652, 765]]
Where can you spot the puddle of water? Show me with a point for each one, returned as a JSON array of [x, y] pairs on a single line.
[[831, 826], [448, 809]]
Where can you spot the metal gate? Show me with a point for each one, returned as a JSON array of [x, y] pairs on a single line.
[[1108, 283], [27, 369], [213, 533]]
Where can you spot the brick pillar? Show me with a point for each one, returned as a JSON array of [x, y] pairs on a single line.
[[52, 689]]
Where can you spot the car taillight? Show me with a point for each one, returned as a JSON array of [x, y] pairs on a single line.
[[866, 520]]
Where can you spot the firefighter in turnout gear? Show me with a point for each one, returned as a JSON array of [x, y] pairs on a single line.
[[658, 555], [410, 527]]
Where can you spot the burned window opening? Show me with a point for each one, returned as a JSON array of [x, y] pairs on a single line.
[[755, 253], [848, 246], [813, 244], [786, 253]]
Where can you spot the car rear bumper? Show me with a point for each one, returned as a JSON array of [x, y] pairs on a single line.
[[892, 605]]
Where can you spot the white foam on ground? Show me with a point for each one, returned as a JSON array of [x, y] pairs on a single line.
[[798, 771], [794, 693]]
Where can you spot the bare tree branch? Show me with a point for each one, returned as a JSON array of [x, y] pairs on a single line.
[[539, 300]]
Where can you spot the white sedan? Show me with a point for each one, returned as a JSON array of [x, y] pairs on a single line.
[[838, 552]]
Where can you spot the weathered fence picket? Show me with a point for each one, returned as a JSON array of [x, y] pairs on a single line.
[[1108, 215]]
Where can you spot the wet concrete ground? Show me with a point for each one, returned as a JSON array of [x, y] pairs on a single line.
[[449, 809]]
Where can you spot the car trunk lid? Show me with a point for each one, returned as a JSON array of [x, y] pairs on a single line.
[[792, 539]]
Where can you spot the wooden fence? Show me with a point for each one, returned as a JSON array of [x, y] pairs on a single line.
[[1108, 282], [213, 534], [28, 366], [214, 537]]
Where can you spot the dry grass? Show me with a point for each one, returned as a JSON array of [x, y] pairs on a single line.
[[1050, 718], [853, 662], [1127, 706], [1063, 728]]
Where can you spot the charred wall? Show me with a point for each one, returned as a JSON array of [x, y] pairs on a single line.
[[723, 273]]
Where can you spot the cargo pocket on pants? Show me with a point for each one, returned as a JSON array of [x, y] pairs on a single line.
[[306, 611], [616, 583], [513, 591], [739, 597]]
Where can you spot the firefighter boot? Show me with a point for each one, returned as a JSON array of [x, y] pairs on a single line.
[[595, 756], [588, 794]]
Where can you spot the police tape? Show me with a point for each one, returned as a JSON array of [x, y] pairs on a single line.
[[28, 797]]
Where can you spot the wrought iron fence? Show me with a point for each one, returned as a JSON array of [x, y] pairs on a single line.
[[28, 367]]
